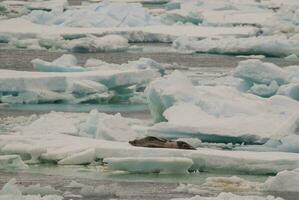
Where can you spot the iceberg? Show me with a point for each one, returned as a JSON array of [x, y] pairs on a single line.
[[273, 45]]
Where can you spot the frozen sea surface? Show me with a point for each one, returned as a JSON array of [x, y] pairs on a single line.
[[132, 186]]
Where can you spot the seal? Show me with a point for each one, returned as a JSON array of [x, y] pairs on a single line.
[[155, 142]]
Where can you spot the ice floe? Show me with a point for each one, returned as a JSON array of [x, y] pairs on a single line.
[[284, 181], [216, 113], [104, 14], [230, 196], [65, 63], [165, 165], [102, 44], [77, 84], [13, 191], [267, 79], [61, 144], [274, 45], [11, 161]]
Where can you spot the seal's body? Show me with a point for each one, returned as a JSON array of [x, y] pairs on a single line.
[[155, 142]]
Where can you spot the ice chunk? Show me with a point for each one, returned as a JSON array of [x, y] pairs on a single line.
[[99, 191], [263, 90], [12, 161], [74, 184], [150, 165], [84, 87], [274, 45], [284, 181], [230, 196], [50, 5], [10, 188], [84, 157], [292, 57], [164, 92], [65, 63], [260, 72], [59, 137], [40, 87], [104, 14], [107, 127], [233, 183], [290, 90], [13, 191], [216, 113], [27, 149], [108, 43]]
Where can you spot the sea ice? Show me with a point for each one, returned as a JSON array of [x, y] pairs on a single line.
[[65, 63], [230, 196], [284, 181], [107, 127], [104, 14], [41, 87], [216, 113], [34, 192], [108, 43], [233, 183], [59, 137], [267, 79], [260, 72], [166, 165], [99, 191], [273, 45], [12, 161]]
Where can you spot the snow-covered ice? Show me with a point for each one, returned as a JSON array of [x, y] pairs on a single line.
[[273, 45], [284, 181], [165, 165], [60, 140], [230, 196], [216, 113], [267, 79], [12, 161], [77, 84], [104, 14], [106, 43]]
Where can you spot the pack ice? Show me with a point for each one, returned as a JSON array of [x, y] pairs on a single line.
[[218, 113], [64, 81], [267, 79], [78, 138], [273, 45], [104, 14]]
